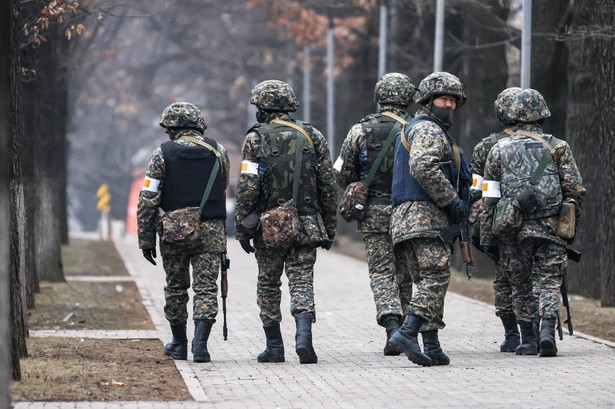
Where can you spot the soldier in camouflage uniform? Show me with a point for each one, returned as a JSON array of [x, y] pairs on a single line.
[[501, 283], [536, 247], [267, 179], [360, 149], [174, 183], [431, 182]]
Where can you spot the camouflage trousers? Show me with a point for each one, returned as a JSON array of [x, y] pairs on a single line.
[[205, 268], [385, 284], [545, 260], [503, 289], [299, 264], [428, 262]]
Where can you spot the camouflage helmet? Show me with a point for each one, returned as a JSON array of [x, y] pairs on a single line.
[[394, 88], [274, 95], [505, 104], [530, 107], [440, 83], [183, 115]]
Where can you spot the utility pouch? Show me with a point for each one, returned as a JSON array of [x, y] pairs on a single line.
[[354, 201], [566, 223], [528, 201], [280, 226], [507, 218], [181, 228]]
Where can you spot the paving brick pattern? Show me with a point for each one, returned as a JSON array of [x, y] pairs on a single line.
[[352, 372]]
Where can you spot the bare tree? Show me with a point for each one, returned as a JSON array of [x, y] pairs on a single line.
[[5, 309]]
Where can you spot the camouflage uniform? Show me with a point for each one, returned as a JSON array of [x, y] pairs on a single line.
[[205, 260], [274, 99], [536, 248], [352, 165], [416, 224]]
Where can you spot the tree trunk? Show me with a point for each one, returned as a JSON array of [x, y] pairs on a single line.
[[591, 73], [17, 214], [5, 308]]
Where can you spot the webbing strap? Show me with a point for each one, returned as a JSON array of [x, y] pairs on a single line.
[[298, 166], [297, 127], [202, 143]]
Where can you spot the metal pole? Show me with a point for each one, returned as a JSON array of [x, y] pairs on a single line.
[[330, 89], [526, 44], [307, 84], [439, 40], [382, 40]]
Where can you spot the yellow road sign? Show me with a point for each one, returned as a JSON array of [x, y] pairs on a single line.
[[104, 198]]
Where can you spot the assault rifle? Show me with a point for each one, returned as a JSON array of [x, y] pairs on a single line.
[[461, 230], [576, 257], [225, 264]]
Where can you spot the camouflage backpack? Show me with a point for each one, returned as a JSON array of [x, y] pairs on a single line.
[[530, 175], [289, 181]]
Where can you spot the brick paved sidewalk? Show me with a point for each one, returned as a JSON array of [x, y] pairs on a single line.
[[352, 372]]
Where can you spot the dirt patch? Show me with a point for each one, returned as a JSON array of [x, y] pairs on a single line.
[[89, 305], [587, 314], [75, 369]]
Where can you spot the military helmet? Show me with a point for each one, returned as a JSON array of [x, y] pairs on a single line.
[[394, 88], [183, 115], [531, 107], [505, 104], [440, 83], [274, 95]]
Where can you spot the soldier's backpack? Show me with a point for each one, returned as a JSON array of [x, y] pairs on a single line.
[[288, 185], [530, 175], [354, 200]]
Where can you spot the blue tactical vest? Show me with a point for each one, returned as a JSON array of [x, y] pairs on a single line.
[[405, 188]]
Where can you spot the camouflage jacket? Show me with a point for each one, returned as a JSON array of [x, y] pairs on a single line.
[[315, 228], [412, 219], [349, 168], [148, 218], [571, 185]]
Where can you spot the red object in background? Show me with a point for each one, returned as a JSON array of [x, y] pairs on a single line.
[[138, 175]]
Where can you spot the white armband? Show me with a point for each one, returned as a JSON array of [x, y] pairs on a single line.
[[151, 185], [249, 167], [477, 182], [491, 188], [339, 162]]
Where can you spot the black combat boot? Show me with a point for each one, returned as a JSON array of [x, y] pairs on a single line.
[[529, 345], [202, 329], [431, 345], [406, 339], [536, 324], [512, 338], [303, 339], [274, 351], [391, 323], [178, 347], [547, 337]]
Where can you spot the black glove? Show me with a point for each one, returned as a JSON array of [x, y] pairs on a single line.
[[150, 255], [456, 212], [476, 196], [326, 244], [245, 245], [493, 253]]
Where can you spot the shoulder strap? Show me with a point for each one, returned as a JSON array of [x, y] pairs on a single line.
[[202, 143], [297, 127], [385, 146]]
